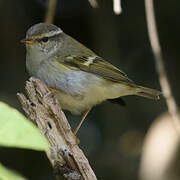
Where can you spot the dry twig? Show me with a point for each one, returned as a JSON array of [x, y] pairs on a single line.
[[117, 7], [160, 68], [44, 110], [93, 3], [51, 9]]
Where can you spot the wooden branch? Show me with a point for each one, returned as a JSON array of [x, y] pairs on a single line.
[[117, 7], [93, 3], [44, 110], [160, 67], [51, 9]]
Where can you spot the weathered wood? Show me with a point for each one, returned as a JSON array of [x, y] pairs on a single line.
[[44, 110]]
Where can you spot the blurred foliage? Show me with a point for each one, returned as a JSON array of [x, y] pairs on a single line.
[[17, 131], [7, 174]]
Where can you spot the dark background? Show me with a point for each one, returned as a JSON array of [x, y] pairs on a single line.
[[111, 136]]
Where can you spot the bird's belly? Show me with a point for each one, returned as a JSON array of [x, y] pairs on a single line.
[[74, 104], [79, 90], [100, 91], [78, 103]]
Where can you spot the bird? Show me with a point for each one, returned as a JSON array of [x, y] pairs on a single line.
[[78, 77]]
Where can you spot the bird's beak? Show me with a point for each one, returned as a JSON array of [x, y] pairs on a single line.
[[28, 41]]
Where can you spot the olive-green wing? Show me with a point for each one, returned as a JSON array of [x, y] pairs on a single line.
[[96, 65]]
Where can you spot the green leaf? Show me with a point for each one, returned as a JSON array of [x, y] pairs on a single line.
[[7, 174], [17, 131]]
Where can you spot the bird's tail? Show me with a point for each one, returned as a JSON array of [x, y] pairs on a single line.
[[148, 93]]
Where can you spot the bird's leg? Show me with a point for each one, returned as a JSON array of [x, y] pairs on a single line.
[[83, 118], [53, 90]]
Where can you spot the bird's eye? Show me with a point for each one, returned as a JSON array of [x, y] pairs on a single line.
[[45, 39]]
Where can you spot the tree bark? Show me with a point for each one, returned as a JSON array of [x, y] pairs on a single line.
[[44, 110]]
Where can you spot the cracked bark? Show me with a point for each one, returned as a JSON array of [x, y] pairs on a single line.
[[43, 109]]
